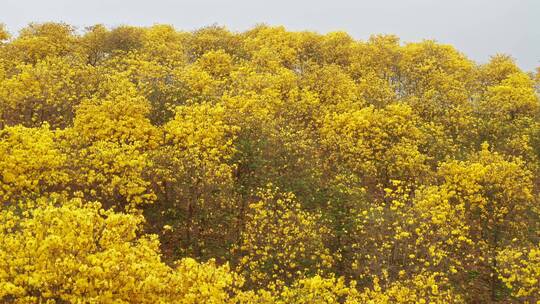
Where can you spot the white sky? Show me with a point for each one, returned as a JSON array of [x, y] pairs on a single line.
[[479, 28]]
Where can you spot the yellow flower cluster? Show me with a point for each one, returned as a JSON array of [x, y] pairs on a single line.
[[280, 242], [70, 251]]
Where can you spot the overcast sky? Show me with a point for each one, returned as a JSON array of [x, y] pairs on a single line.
[[479, 28]]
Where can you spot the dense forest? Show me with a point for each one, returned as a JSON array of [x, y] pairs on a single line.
[[151, 165]]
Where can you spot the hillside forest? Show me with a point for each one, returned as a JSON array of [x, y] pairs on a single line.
[[152, 165]]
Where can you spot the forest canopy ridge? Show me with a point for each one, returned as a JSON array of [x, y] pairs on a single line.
[[152, 165]]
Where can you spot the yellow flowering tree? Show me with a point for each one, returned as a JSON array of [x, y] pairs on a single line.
[[47, 91], [519, 269], [32, 163], [280, 242], [79, 252], [193, 177], [377, 145], [40, 40]]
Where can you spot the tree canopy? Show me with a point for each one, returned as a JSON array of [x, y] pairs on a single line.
[[151, 165]]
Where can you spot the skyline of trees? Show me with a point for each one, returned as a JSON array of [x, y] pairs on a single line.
[[151, 165]]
